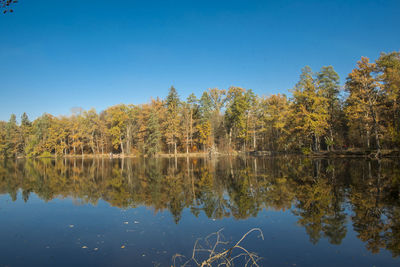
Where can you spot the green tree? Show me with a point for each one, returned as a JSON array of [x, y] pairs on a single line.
[[192, 103], [204, 127], [328, 86], [153, 134], [239, 102], [12, 137], [172, 122], [388, 67], [310, 110], [363, 101]]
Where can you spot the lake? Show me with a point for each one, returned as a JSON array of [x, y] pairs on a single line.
[[142, 212]]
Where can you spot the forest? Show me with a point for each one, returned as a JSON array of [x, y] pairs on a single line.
[[319, 115]]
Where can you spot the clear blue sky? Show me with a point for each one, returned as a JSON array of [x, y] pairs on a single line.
[[55, 55]]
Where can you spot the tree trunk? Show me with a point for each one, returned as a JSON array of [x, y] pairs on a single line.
[[97, 146], [191, 129], [175, 148], [378, 145], [187, 140], [128, 139], [230, 139], [254, 140], [122, 146], [92, 143]]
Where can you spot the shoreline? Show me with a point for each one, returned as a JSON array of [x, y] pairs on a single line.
[[320, 154]]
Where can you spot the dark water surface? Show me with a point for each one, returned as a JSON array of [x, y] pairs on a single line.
[[135, 212]]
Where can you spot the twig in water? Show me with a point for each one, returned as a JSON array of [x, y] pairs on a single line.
[[214, 254]]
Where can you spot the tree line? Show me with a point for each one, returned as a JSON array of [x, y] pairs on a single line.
[[319, 115]]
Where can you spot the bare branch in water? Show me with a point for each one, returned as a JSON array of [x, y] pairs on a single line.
[[216, 254]]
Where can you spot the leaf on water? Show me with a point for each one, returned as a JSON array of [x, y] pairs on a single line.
[[123, 246]]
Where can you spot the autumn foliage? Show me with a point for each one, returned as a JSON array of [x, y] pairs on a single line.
[[319, 115]]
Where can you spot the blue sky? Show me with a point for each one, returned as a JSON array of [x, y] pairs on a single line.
[[55, 55]]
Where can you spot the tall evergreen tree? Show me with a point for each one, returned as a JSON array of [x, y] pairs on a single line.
[[388, 67], [328, 86], [12, 136], [173, 120], [152, 142]]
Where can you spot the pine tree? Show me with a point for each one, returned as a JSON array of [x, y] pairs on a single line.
[[328, 86], [388, 66], [204, 127], [12, 137], [172, 119], [239, 102], [192, 103], [152, 142]]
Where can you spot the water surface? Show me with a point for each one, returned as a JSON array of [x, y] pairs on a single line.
[[140, 212]]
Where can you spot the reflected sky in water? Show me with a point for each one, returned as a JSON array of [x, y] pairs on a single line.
[[140, 212]]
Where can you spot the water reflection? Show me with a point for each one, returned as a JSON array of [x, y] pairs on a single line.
[[325, 195]]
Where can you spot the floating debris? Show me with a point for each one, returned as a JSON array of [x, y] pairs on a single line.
[[84, 247], [71, 226], [126, 222], [135, 222], [95, 249], [123, 246]]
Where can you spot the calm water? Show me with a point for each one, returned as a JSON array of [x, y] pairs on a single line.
[[132, 212]]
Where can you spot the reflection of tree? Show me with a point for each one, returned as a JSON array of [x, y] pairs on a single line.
[[315, 190], [320, 201], [244, 202], [392, 234], [376, 219], [312, 205], [213, 202]]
